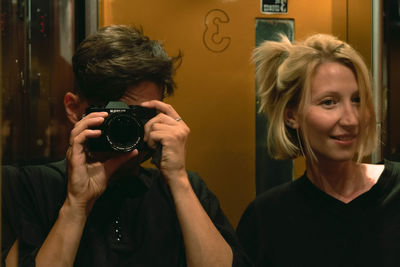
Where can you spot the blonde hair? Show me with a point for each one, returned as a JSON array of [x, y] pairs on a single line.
[[284, 71]]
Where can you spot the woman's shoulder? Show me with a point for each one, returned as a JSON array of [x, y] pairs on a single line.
[[386, 175], [373, 171], [278, 205], [387, 168], [278, 197]]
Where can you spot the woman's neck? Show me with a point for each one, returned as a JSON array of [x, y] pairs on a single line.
[[344, 181]]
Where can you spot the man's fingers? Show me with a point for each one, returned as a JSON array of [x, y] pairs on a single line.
[[159, 119], [76, 146], [86, 123], [79, 140], [160, 122], [161, 107]]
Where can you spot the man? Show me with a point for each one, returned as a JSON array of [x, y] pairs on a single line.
[[103, 209]]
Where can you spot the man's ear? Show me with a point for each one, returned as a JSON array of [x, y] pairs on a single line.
[[74, 107], [291, 118]]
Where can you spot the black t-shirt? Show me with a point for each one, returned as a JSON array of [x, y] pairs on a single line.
[[133, 223], [297, 224]]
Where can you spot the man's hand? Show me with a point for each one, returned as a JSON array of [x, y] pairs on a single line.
[[87, 181], [169, 130]]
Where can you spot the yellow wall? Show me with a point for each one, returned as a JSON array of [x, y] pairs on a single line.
[[216, 91]]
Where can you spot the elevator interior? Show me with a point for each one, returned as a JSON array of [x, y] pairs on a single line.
[[216, 80]]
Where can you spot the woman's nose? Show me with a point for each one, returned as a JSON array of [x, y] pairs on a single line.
[[350, 115]]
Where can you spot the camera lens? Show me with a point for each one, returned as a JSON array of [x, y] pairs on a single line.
[[123, 132]]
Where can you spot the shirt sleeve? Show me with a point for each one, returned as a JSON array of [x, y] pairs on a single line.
[[247, 232], [42, 194], [211, 205], [9, 216]]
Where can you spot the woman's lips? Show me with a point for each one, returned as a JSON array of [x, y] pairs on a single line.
[[344, 139]]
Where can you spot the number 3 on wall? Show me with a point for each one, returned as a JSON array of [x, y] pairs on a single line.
[[212, 38]]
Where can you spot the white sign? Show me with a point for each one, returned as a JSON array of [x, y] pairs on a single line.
[[274, 6]]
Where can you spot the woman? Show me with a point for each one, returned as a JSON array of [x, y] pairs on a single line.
[[318, 99]]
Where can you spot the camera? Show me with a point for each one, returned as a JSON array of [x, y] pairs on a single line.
[[123, 128]]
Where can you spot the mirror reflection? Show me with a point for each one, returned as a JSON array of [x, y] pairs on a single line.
[[215, 96]]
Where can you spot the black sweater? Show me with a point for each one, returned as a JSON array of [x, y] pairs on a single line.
[[297, 224]]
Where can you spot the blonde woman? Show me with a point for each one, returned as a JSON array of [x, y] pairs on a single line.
[[318, 99]]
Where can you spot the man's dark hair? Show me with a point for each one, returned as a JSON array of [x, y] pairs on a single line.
[[116, 57]]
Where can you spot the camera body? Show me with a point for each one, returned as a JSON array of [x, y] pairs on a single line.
[[123, 128]]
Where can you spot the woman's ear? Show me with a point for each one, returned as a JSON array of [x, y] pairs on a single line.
[[291, 118], [74, 107]]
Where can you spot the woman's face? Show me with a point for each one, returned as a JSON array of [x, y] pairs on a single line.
[[332, 116]]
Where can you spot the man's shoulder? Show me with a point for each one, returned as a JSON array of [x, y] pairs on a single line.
[[52, 173], [9, 174], [42, 187]]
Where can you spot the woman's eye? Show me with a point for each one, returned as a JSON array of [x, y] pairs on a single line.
[[356, 99], [328, 102]]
